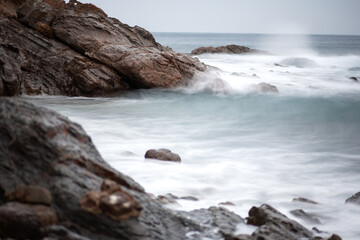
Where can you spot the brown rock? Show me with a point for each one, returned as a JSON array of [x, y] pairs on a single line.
[[19, 221], [229, 49], [30, 194], [227, 204], [163, 154], [112, 201]]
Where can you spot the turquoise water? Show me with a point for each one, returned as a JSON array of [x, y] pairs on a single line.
[[238, 144]]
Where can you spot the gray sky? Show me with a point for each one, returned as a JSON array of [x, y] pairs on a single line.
[[238, 16]]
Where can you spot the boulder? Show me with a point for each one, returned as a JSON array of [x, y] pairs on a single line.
[[229, 49], [308, 217], [266, 88], [76, 49], [163, 154], [354, 199], [274, 225]]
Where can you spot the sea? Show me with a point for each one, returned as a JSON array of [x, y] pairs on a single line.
[[238, 144]]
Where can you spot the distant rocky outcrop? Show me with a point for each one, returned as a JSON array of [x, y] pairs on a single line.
[[229, 49], [354, 199], [57, 48]]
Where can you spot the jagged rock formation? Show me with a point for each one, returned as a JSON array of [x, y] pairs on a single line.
[[228, 49], [50, 47]]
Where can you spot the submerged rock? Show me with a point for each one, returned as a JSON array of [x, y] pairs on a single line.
[[311, 218], [229, 49], [266, 88], [354, 199], [304, 200], [354, 79], [274, 225], [163, 154]]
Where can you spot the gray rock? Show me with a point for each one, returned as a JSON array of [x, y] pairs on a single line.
[[304, 200], [354, 199], [274, 225], [308, 217], [163, 154], [266, 88], [354, 79]]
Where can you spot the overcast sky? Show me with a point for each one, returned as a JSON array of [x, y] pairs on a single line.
[[238, 16]]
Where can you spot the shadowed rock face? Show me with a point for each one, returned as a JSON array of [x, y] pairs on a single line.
[[76, 49]]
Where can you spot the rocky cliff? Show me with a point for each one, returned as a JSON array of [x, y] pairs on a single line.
[[57, 48]]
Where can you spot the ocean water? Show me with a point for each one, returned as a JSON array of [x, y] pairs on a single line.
[[236, 143]]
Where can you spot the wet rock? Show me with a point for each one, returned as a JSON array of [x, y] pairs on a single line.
[[304, 200], [299, 62], [266, 88], [332, 237], [221, 221], [354, 79], [163, 154], [40, 146], [311, 218], [229, 49], [274, 225], [166, 199], [354, 69], [354, 199], [227, 204], [30, 194], [19, 221], [278, 65], [190, 198]]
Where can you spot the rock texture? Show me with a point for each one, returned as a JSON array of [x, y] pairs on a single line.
[[266, 88], [55, 185], [163, 154], [354, 199], [229, 49], [50, 47]]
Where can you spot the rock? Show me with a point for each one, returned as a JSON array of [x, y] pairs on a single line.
[[163, 154], [112, 200], [30, 194], [266, 88], [190, 198], [304, 200], [311, 218], [40, 146], [221, 221], [75, 49], [227, 204], [354, 79], [354, 199], [274, 225], [33, 64], [278, 65], [19, 221], [299, 62], [166, 199], [229, 49]]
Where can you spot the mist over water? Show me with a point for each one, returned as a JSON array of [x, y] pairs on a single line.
[[236, 143]]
